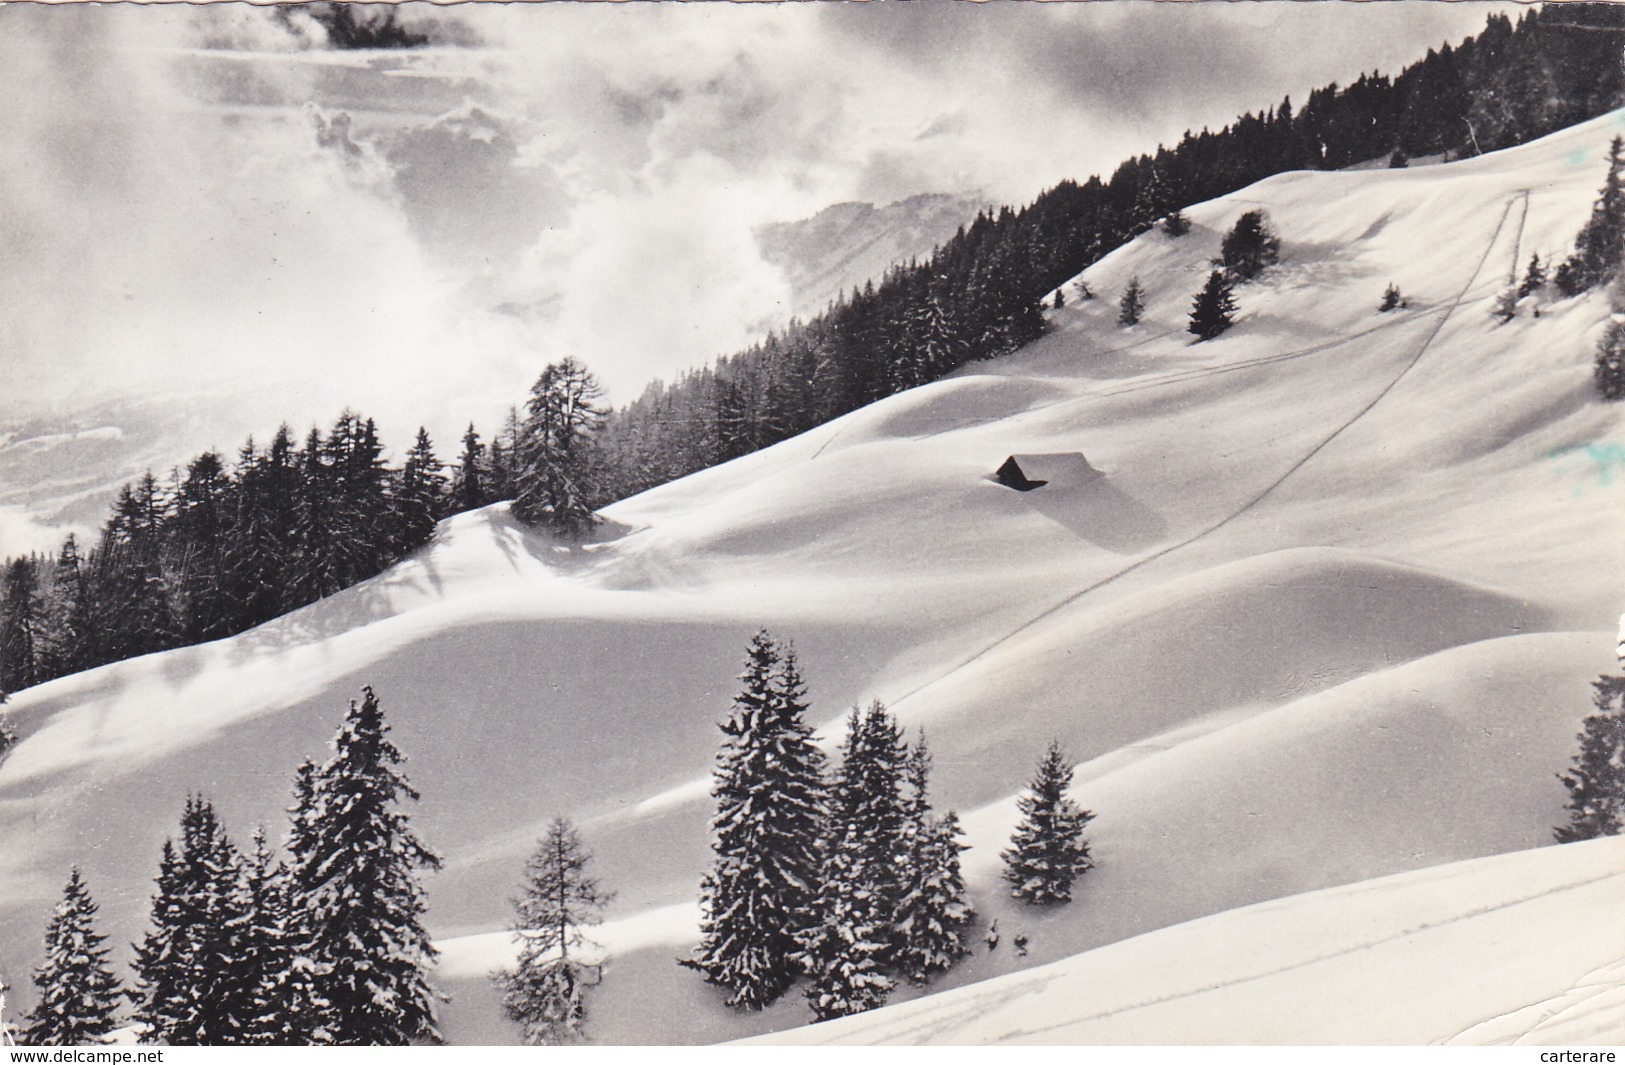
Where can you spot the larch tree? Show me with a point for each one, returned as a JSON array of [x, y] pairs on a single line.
[[553, 487], [1596, 779], [546, 992], [356, 871], [1048, 851], [78, 993], [770, 791]]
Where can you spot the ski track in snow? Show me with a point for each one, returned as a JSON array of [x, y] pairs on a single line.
[[1073, 597]]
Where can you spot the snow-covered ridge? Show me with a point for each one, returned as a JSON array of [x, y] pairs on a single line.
[[1330, 614]]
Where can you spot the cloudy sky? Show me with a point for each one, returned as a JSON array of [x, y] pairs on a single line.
[[197, 198]]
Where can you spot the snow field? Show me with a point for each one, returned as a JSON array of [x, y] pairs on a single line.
[[1331, 614]]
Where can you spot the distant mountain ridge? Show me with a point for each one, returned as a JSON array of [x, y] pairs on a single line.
[[847, 244]]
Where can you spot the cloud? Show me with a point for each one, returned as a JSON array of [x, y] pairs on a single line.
[[199, 195]]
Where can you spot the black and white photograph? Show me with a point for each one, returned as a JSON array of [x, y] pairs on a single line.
[[907, 522]]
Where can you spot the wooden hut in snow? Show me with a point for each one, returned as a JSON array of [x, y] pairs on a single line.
[[1063, 469]]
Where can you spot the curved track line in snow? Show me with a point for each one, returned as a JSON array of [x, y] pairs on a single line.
[[1422, 349], [932, 1025]]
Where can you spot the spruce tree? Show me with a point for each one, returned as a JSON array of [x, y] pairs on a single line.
[[356, 872], [1390, 299], [1176, 224], [1250, 246], [850, 948], [1596, 780], [78, 993], [933, 912], [769, 786], [1132, 305], [1214, 309], [1534, 277], [1598, 248], [1048, 852], [264, 957], [419, 496], [546, 993], [1609, 368], [468, 486], [189, 990]]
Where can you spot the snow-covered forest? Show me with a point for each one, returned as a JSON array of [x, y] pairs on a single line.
[[1222, 550]]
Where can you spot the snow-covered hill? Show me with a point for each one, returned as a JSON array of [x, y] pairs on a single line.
[[1416, 958], [1331, 614]]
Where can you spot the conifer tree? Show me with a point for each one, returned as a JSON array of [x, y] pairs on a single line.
[[1534, 277], [1048, 852], [264, 958], [1506, 304], [1596, 780], [78, 993], [22, 621], [769, 786], [1250, 246], [1176, 224], [933, 912], [1214, 309], [356, 871], [1609, 369], [546, 993], [850, 948], [553, 487], [419, 497], [1390, 299], [468, 486], [189, 991], [1132, 305], [1598, 248]]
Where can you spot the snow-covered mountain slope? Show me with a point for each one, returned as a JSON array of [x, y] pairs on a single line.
[[1416, 958], [1330, 614], [847, 244]]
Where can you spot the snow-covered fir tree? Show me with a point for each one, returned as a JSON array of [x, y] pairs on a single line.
[[264, 958], [849, 950], [1048, 852], [1596, 780], [1176, 224], [355, 872], [78, 993], [933, 911], [1132, 305], [546, 992], [770, 791], [188, 990], [553, 488], [1214, 309]]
